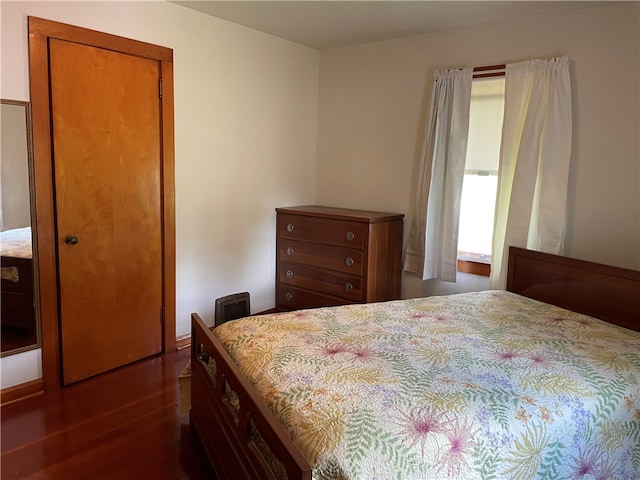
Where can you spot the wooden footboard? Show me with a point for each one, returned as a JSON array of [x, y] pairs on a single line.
[[233, 423]]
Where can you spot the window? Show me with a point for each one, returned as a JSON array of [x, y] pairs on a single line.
[[480, 184]]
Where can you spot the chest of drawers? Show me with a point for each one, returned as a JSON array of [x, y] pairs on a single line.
[[333, 256]]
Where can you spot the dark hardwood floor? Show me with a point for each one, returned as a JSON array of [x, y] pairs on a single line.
[[124, 424]]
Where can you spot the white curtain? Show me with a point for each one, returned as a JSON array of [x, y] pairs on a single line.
[[534, 161], [433, 238]]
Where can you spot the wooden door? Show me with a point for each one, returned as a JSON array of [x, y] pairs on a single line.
[[106, 122]]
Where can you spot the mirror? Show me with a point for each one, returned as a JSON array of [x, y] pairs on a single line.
[[19, 317]]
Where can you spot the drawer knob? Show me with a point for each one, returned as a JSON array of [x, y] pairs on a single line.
[[349, 262], [290, 227], [289, 274], [289, 251], [348, 287], [350, 236], [288, 296]]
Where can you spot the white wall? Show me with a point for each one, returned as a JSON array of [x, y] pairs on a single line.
[[373, 101], [245, 136]]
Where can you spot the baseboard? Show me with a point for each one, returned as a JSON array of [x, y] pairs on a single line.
[[183, 341], [21, 391]]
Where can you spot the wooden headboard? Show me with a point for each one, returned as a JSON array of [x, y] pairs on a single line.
[[602, 291]]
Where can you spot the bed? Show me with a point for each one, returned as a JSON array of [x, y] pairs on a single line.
[[523, 383], [16, 257]]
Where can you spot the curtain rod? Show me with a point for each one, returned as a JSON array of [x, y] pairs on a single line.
[[491, 71]]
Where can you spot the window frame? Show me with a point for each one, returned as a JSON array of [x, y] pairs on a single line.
[[466, 265]]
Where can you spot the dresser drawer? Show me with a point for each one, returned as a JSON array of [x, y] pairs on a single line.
[[322, 230], [326, 282], [290, 298], [16, 302], [342, 259]]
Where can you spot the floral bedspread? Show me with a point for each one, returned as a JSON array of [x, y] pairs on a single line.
[[485, 385], [16, 243]]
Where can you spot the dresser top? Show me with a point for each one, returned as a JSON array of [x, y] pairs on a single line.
[[342, 213]]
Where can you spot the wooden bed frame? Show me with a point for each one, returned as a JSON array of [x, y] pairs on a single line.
[[609, 293]]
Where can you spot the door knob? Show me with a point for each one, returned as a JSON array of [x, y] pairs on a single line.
[[71, 240]]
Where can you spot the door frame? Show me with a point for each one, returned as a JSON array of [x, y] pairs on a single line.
[[40, 31]]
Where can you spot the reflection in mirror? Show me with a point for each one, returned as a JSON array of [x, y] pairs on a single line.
[[18, 317]]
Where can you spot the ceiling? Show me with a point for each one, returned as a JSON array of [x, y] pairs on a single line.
[[330, 24]]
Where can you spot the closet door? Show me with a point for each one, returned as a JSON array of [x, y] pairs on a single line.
[[106, 121]]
